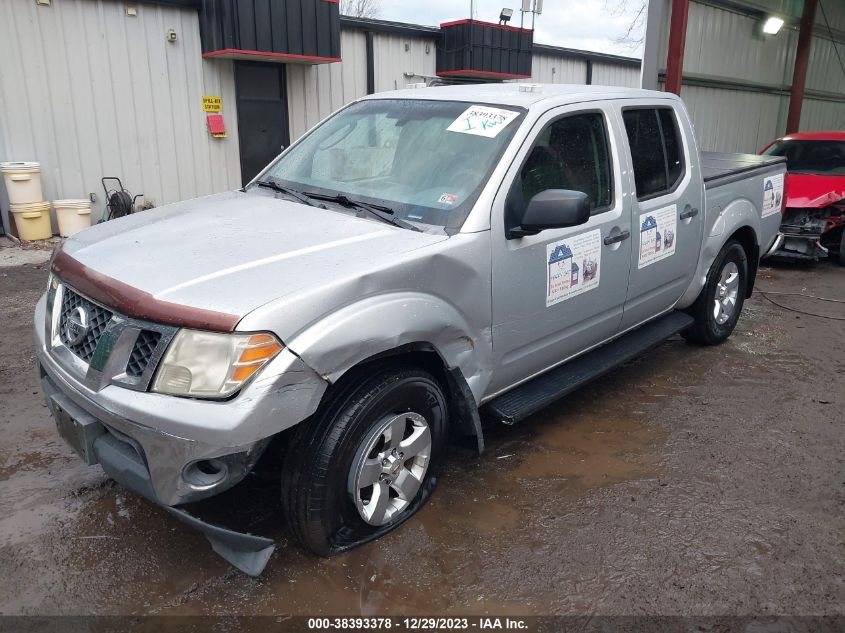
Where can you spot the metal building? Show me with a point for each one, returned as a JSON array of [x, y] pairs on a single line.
[[737, 79], [93, 88]]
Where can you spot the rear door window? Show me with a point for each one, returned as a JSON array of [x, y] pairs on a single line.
[[656, 150]]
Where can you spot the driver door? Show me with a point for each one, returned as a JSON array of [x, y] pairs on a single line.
[[561, 291]]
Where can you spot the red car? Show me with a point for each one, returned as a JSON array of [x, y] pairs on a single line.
[[813, 225]]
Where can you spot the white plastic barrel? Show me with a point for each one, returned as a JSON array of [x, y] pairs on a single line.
[[73, 216], [23, 182], [32, 220]]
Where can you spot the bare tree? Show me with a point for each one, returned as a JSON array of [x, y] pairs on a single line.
[[634, 34], [360, 8]]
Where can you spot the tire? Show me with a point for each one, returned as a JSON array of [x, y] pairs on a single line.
[[352, 440], [716, 316]]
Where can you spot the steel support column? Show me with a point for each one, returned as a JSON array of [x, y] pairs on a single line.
[[677, 41], [799, 72]]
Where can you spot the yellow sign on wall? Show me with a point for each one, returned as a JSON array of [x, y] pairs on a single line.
[[211, 103]]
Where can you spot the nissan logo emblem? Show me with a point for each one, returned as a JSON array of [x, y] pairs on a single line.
[[77, 326]]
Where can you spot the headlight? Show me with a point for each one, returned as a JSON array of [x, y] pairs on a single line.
[[212, 365]]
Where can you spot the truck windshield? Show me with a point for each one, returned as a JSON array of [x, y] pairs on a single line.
[[820, 158], [423, 161]]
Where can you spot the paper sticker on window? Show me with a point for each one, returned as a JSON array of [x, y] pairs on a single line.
[[482, 121], [572, 266], [772, 194], [448, 198], [657, 235]]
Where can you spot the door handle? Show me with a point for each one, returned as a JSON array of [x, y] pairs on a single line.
[[619, 237], [688, 213]]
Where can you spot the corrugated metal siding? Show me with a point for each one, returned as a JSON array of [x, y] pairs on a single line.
[[615, 75], [553, 69], [819, 115], [314, 92], [392, 61], [88, 92], [733, 120], [724, 44]]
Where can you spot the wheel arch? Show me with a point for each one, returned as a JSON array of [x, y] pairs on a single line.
[[747, 238], [409, 327]]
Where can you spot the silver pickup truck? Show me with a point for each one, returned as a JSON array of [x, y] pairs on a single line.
[[418, 262]]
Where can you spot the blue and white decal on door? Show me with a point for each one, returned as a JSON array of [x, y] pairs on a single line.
[[572, 266], [657, 235]]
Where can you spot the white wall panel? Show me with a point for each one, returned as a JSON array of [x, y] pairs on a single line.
[[88, 91], [615, 75], [722, 43], [817, 115], [316, 91], [734, 120], [392, 60], [554, 69]]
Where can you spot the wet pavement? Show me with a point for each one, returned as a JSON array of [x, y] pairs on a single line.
[[703, 481]]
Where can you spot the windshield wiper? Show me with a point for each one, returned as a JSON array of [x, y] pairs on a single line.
[[293, 193], [385, 214]]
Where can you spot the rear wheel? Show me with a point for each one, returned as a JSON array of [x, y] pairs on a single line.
[[717, 309], [367, 461]]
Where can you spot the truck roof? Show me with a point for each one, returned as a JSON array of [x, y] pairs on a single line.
[[516, 94]]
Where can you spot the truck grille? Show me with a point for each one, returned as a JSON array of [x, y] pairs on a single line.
[[98, 318], [142, 352]]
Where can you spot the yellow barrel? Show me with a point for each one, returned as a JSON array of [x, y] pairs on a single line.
[[32, 220]]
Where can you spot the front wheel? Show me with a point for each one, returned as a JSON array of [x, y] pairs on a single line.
[[367, 461], [716, 310]]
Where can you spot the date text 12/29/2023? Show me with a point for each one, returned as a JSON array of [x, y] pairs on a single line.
[[418, 624]]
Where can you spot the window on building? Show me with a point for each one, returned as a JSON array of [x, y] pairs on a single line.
[[570, 153], [656, 150]]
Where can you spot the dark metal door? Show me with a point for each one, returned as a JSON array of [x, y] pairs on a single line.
[[261, 92]]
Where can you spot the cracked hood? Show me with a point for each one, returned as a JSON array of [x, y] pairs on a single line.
[[807, 191], [227, 253]]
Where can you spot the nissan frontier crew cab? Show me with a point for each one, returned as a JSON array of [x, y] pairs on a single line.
[[419, 261]]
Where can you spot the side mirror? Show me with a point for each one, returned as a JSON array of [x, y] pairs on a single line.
[[553, 209]]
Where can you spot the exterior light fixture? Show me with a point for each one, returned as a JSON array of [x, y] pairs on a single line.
[[772, 25], [505, 16]]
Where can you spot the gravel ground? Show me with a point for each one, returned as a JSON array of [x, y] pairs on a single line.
[[694, 481]]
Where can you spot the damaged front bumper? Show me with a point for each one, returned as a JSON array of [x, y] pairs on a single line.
[[123, 460], [177, 450]]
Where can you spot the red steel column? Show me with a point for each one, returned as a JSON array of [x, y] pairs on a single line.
[[677, 41], [799, 73]]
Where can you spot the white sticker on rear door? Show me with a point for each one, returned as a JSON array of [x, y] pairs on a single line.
[[772, 194], [572, 266], [657, 235], [482, 121]]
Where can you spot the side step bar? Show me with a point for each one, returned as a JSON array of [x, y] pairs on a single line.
[[528, 398]]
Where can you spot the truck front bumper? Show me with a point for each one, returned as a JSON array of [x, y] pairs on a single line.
[[172, 450]]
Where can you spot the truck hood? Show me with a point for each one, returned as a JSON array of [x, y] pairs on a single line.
[[225, 254], [808, 191]]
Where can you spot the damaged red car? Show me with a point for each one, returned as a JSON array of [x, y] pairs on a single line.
[[813, 225]]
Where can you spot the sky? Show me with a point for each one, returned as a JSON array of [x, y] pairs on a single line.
[[583, 24]]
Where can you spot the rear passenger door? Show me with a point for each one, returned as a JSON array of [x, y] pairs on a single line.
[[667, 207]]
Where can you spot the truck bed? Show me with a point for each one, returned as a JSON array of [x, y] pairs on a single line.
[[718, 168]]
